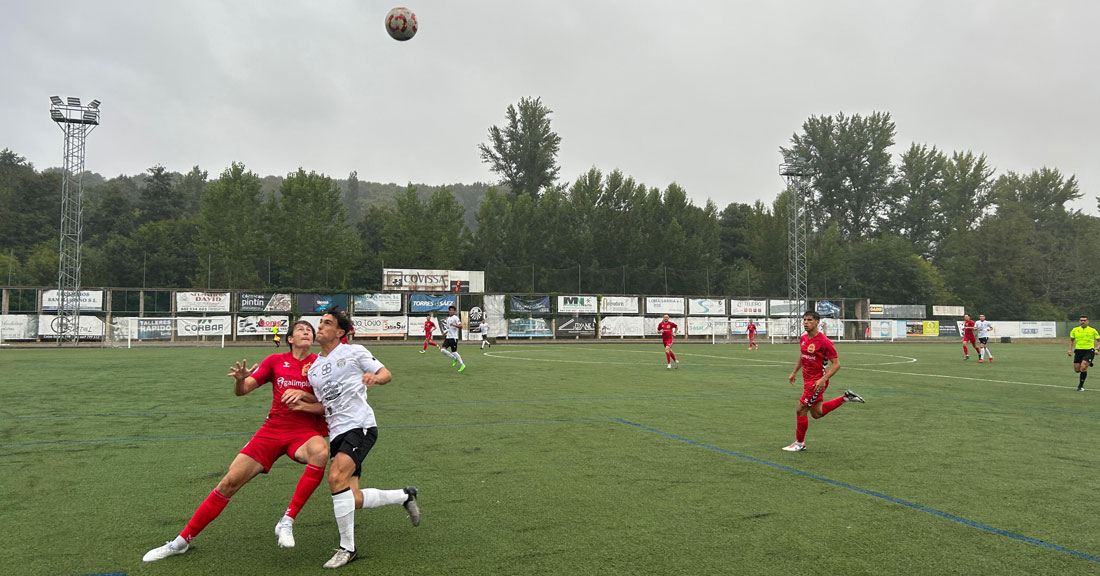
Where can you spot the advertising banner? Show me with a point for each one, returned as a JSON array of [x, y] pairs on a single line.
[[150, 328], [785, 308], [421, 303], [415, 280], [382, 326], [650, 326], [948, 310], [90, 300], [18, 327], [90, 326], [664, 305], [377, 303], [212, 326], [949, 330], [530, 327], [262, 325], [537, 305], [1038, 330], [576, 305], [318, 303], [827, 309], [494, 314], [416, 326], [919, 328], [741, 327], [619, 305], [902, 311], [888, 329], [577, 326], [748, 308], [263, 302], [702, 326], [706, 307], [614, 326], [202, 301]]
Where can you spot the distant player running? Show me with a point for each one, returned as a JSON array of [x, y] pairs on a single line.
[[969, 336], [450, 340], [287, 430], [752, 335], [485, 335], [1082, 346], [816, 349], [985, 329], [429, 329], [668, 330]]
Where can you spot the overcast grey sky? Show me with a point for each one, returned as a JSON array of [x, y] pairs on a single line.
[[698, 92]]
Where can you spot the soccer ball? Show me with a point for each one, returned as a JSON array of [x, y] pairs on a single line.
[[401, 23]]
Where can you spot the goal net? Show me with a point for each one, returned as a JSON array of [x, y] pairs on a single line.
[[127, 332], [736, 330]]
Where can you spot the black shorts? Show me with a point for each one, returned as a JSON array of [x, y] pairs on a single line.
[[984, 340], [1083, 355], [356, 443], [451, 344]]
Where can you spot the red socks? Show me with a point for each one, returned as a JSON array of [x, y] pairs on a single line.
[[207, 512], [668, 358], [309, 481], [831, 405], [801, 423], [673, 354]]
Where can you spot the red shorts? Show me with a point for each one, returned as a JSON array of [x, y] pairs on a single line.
[[428, 337], [270, 442], [667, 341], [970, 339], [810, 396]]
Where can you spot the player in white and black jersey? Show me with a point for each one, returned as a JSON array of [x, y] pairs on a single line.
[[485, 335], [985, 330], [339, 377], [450, 338]]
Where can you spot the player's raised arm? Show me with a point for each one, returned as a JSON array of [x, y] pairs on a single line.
[[243, 383]]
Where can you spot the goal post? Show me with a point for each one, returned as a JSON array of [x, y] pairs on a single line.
[[134, 331]]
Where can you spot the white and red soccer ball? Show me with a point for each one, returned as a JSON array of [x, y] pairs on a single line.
[[401, 23]]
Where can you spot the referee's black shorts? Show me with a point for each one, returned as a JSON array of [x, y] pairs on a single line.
[[1083, 355]]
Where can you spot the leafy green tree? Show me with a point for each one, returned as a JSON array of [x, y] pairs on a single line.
[[849, 163], [967, 180], [351, 199], [887, 268], [524, 152], [159, 199], [913, 209], [312, 243], [231, 231]]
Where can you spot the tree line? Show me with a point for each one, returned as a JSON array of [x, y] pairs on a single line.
[[924, 227]]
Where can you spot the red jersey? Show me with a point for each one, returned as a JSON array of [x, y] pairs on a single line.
[[968, 330], [667, 329], [752, 330], [429, 326], [814, 353], [284, 371]]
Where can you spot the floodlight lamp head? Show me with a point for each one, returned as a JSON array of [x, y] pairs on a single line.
[[56, 101], [74, 101], [94, 104], [57, 116]]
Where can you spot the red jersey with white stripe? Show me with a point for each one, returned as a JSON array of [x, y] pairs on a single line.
[[667, 329], [814, 353], [285, 372], [968, 331], [429, 326]]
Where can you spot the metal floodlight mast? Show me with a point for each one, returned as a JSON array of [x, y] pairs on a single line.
[[76, 122], [797, 176]]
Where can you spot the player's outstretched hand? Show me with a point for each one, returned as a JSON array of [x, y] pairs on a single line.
[[240, 370]]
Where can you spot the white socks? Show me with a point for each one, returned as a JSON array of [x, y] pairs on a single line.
[[343, 507], [374, 498]]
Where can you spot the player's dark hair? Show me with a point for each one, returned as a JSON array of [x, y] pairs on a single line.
[[311, 329], [451, 308], [812, 314], [342, 320]]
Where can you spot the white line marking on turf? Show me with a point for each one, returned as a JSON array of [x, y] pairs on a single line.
[[760, 361]]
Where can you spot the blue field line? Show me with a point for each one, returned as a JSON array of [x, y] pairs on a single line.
[[932, 511]]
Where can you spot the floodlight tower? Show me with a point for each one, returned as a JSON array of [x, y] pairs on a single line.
[[76, 122], [797, 175]]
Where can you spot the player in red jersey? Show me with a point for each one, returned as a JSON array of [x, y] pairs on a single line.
[[816, 349], [969, 335], [752, 335], [287, 430], [429, 327], [668, 331]]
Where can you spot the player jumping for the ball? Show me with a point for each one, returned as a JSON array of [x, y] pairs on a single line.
[[816, 349]]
